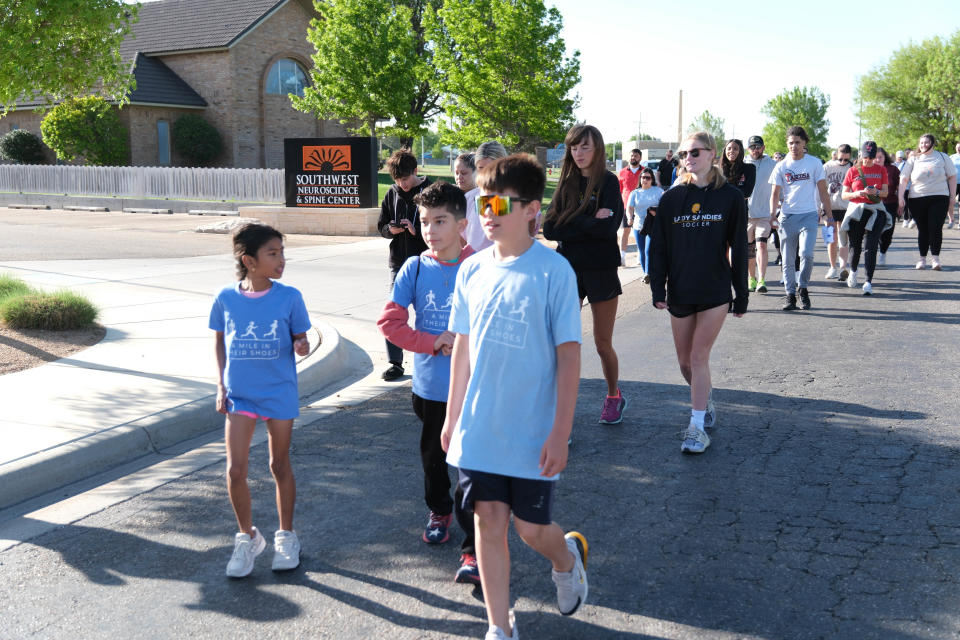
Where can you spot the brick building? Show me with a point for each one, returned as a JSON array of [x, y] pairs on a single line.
[[231, 61]]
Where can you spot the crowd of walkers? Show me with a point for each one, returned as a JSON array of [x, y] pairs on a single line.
[[496, 329]]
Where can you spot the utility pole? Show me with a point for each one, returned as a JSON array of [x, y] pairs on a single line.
[[680, 119]]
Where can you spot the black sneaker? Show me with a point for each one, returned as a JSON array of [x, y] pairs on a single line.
[[789, 302], [395, 371], [804, 298]]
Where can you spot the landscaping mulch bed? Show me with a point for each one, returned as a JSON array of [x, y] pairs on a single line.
[[27, 348]]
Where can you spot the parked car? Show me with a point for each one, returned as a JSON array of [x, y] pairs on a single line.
[[650, 164]]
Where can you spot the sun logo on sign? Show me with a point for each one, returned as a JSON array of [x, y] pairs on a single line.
[[327, 159]]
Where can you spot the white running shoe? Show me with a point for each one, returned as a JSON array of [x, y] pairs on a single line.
[[852, 279], [905, 224], [572, 585], [245, 550], [286, 550], [867, 288], [496, 633], [830, 274], [710, 416], [913, 224], [695, 440], [881, 259], [935, 263], [921, 263]]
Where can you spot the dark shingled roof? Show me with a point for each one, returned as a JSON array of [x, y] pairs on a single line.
[[158, 84], [185, 25]]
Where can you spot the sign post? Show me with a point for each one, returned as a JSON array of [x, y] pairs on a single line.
[[330, 172]]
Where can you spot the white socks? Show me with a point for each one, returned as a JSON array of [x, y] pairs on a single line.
[[696, 418]]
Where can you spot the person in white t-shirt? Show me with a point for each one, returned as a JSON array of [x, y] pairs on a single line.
[[485, 154], [932, 180], [801, 181]]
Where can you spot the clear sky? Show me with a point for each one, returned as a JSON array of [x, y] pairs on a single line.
[[730, 57]]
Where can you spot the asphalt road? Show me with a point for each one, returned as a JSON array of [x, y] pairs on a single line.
[[826, 507]]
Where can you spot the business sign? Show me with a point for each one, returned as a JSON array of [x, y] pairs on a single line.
[[330, 172]]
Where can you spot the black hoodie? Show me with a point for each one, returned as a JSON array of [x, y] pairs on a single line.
[[588, 242], [692, 231], [397, 205]]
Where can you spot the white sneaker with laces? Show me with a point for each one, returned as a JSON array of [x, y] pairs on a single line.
[[867, 288], [881, 259], [695, 440], [905, 223], [710, 417], [913, 224], [830, 274], [852, 279], [572, 585], [496, 633], [935, 263], [245, 550], [286, 550], [921, 264]]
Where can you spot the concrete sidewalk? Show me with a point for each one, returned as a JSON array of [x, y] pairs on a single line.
[[149, 384]]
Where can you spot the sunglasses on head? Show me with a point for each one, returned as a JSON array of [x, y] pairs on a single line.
[[694, 153], [498, 205]]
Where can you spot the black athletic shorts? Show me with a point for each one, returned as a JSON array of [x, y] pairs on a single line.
[[684, 310], [598, 285], [838, 214], [529, 500]]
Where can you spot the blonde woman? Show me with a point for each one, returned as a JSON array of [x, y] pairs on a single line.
[[698, 222]]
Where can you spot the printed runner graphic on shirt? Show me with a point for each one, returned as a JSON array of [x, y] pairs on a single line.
[[249, 345], [511, 329], [436, 318]]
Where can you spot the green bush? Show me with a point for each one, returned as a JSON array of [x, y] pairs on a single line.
[[196, 140], [89, 127], [10, 286], [56, 311], [22, 146]]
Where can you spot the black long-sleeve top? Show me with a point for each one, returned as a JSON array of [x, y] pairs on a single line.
[[747, 180], [588, 242], [692, 231], [396, 205]]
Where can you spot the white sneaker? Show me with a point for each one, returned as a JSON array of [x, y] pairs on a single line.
[[881, 259], [496, 633], [949, 225], [245, 550], [286, 550], [867, 288], [695, 440], [830, 274], [935, 263], [572, 585], [913, 224], [905, 224], [921, 263], [852, 279]]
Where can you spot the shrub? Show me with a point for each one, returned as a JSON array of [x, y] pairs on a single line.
[[196, 140], [10, 286], [89, 127], [22, 146], [56, 311]]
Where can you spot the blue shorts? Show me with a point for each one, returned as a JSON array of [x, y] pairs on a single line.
[[529, 500]]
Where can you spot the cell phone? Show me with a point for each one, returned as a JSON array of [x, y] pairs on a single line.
[[395, 225]]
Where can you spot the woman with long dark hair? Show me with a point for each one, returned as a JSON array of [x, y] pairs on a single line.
[[584, 216], [737, 172], [889, 203], [641, 209], [933, 180], [697, 254]]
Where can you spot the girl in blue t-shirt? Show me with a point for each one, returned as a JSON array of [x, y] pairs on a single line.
[[260, 324]]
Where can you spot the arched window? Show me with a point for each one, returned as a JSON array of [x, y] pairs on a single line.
[[286, 76]]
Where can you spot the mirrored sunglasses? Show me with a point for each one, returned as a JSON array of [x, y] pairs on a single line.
[[498, 205]]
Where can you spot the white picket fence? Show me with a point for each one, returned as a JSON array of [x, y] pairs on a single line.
[[176, 183]]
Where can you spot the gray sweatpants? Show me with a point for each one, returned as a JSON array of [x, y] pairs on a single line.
[[797, 230]]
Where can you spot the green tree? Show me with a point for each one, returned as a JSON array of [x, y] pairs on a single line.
[[23, 147], [504, 70], [63, 48], [372, 62], [911, 95], [87, 127], [196, 139], [800, 106], [710, 123]]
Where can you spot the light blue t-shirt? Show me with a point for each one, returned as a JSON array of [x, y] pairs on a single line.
[[955, 159], [431, 293], [640, 200], [261, 372], [516, 313], [798, 182]]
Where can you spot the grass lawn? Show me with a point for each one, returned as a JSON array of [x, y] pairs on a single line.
[[442, 173]]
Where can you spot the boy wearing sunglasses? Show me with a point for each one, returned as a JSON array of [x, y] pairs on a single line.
[[513, 388]]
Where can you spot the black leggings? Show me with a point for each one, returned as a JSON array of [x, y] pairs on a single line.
[[886, 238], [929, 212], [858, 229]]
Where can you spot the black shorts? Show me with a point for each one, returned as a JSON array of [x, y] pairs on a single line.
[[684, 310], [598, 285], [529, 500], [838, 214]]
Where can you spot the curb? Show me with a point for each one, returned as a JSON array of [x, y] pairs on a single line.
[[80, 459]]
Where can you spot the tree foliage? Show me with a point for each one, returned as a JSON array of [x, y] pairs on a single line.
[[62, 48], [87, 127], [800, 106], [22, 146], [710, 123], [372, 62], [504, 72], [914, 93], [196, 140]]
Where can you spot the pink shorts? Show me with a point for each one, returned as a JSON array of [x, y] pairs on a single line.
[[251, 414]]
